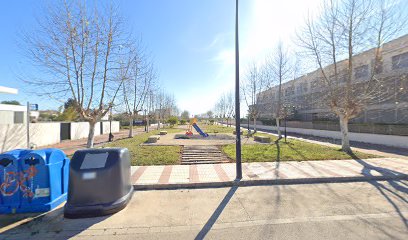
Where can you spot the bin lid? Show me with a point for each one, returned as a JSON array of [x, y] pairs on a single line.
[[48, 155], [14, 154]]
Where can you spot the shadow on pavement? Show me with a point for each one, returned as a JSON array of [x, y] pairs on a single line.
[[56, 225], [397, 186], [208, 225]]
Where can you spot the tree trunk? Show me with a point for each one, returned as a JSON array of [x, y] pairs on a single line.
[[278, 128], [345, 141], [254, 125], [91, 134], [131, 127]]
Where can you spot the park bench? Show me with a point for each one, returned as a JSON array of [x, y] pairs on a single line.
[[153, 139], [262, 139], [163, 132]]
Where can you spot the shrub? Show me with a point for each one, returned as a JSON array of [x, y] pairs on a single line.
[[182, 121], [212, 121], [172, 121]]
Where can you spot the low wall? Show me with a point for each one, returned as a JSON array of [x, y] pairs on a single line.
[[105, 127], [81, 129], [14, 136], [387, 140]]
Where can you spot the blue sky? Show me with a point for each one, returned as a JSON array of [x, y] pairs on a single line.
[[192, 42]]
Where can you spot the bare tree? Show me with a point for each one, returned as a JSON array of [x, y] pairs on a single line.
[[185, 115], [165, 106], [252, 87], [137, 86], [344, 29], [210, 114], [221, 108], [278, 69], [229, 106], [83, 54]]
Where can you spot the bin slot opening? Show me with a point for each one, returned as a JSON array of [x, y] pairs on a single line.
[[94, 160], [32, 161], [5, 162]]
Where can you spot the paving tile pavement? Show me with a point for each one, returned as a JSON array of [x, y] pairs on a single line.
[[156, 177]]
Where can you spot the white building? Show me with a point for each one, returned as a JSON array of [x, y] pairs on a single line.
[[14, 114]]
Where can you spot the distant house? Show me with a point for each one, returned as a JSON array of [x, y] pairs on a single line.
[[15, 114]]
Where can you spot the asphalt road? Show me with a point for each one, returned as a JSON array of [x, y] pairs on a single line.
[[362, 210]]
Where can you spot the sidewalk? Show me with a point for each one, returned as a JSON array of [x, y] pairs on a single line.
[[70, 146], [291, 172]]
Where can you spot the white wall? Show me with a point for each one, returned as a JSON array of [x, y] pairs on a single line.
[[14, 136], [6, 117], [81, 129], [388, 140], [115, 127]]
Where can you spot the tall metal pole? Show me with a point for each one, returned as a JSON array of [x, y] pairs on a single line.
[[110, 138], [145, 120], [237, 106], [28, 125]]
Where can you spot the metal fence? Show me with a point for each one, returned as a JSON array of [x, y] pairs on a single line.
[[387, 129]]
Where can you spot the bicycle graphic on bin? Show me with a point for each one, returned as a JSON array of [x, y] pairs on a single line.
[[14, 180]]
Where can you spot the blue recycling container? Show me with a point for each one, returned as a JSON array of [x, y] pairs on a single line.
[[10, 180], [43, 180]]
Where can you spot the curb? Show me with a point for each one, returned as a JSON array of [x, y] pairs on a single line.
[[260, 182]]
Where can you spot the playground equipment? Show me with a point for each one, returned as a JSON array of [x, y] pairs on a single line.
[[193, 124]]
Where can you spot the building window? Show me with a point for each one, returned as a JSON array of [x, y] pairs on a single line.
[[299, 89], [400, 61], [361, 72], [19, 117], [305, 87]]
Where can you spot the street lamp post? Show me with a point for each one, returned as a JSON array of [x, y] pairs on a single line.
[[110, 139], [237, 106], [249, 130], [285, 128], [145, 120], [286, 113]]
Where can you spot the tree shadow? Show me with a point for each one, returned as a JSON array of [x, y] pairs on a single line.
[[397, 186], [277, 168], [208, 225], [304, 158]]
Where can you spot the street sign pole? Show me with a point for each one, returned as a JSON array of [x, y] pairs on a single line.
[[237, 106], [28, 125]]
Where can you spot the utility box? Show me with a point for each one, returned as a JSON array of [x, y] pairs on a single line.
[[99, 182], [40, 181]]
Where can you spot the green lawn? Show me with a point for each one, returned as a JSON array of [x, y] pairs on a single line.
[[218, 129], [215, 128], [149, 155], [293, 150]]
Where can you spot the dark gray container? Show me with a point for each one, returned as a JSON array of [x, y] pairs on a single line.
[[99, 182]]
